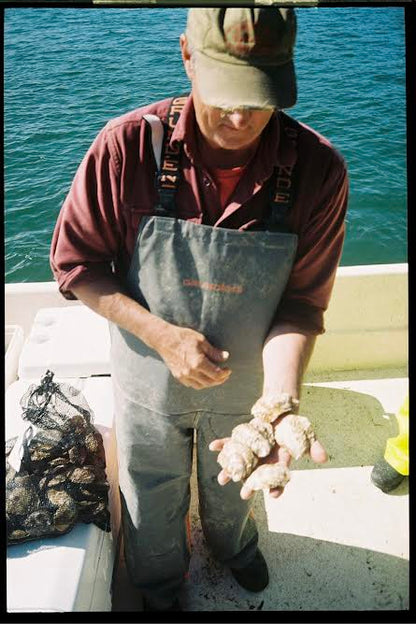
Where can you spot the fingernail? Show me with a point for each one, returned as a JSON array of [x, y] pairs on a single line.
[[225, 355], [225, 372]]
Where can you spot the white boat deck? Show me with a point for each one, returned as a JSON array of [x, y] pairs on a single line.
[[333, 541]]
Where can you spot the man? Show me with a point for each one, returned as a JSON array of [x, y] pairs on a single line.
[[215, 281]]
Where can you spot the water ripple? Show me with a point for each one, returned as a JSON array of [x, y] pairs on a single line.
[[67, 71]]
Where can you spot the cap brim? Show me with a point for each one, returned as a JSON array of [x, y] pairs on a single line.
[[229, 85]]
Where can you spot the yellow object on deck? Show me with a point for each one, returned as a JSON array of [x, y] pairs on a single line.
[[397, 449]]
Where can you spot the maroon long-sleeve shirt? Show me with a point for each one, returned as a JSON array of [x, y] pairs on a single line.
[[115, 186]]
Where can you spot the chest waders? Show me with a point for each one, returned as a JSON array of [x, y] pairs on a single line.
[[227, 285]]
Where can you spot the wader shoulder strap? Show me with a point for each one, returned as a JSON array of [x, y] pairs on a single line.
[[283, 190], [167, 157]]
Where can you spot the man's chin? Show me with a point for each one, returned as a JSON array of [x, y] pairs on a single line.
[[233, 143]]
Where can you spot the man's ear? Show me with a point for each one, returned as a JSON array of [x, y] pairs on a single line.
[[186, 56]]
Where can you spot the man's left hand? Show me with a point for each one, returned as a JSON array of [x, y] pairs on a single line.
[[317, 453]]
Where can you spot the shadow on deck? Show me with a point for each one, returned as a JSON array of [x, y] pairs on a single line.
[[333, 541]]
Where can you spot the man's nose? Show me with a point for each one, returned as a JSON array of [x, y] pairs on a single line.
[[239, 117]]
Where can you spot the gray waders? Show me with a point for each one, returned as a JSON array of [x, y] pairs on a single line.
[[227, 285]]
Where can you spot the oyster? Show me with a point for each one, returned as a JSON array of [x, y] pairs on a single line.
[[295, 433], [83, 475], [39, 523], [237, 459], [65, 516], [21, 500], [255, 434], [59, 497], [267, 476], [270, 407]]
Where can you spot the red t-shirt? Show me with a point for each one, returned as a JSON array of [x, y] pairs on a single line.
[[226, 181], [114, 187]]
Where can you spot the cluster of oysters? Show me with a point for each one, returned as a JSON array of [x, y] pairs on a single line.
[[256, 439], [62, 481]]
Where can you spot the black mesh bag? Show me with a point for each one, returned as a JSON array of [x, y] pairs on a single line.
[[57, 477]]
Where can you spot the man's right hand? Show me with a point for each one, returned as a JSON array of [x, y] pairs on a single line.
[[191, 359]]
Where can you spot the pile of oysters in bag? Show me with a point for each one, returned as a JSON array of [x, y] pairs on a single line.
[[55, 469]]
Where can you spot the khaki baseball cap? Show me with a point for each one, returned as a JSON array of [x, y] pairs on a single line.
[[243, 57]]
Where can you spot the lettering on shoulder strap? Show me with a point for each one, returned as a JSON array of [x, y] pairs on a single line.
[[168, 177], [283, 192]]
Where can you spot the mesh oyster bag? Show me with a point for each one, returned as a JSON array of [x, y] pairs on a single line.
[[55, 470]]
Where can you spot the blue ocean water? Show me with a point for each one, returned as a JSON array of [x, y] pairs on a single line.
[[69, 70]]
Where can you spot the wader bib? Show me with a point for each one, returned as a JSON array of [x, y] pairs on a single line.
[[227, 285], [223, 283]]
